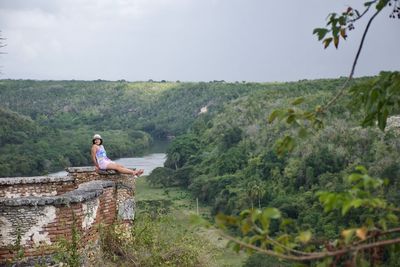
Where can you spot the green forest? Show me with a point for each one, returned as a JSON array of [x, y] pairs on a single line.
[[225, 156], [230, 161], [48, 125]]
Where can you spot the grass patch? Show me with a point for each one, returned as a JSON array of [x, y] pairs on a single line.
[[180, 204]]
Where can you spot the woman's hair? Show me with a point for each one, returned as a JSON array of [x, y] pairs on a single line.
[[97, 136], [101, 141]]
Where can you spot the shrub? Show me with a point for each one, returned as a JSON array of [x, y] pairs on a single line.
[[155, 242]]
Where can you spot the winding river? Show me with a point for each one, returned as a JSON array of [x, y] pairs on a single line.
[[154, 158]]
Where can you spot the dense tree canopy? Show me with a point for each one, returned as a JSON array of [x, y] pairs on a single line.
[[48, 124]]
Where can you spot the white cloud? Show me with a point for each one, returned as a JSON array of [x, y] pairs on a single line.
[[182, 39]]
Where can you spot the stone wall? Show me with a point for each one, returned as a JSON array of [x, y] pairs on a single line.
[[124, 183], [35, 186], [37, 213]]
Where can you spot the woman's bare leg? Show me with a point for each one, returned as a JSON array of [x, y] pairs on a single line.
[[120, 168]]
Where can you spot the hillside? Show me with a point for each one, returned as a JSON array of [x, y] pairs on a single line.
[[128, 114], [230, 162], [158, 108], [63, 115]]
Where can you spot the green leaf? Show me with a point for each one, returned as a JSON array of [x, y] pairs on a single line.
[[279, 249], [254, 214], [374, 95], [382, 118], [321, 32], [283, 239], [383, 223], [361, 169], [318, 124], [285, 223], [356, 203], [245, 228], [271, 213], [335, 30], [392, 218], [290, 144], [298, 101], [278, 113], [354, 177], [244, 213], [309, 115], [290, 119], [381, 4], [342, 20], [304, 237], [346, 207], [377, 202], [265, 223], [284, 145]]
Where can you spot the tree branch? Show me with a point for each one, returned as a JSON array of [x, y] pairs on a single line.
[[295, 251], [264, 251], [260, 231], [314, 255], [378, 232], [362, 14], [344, 86]]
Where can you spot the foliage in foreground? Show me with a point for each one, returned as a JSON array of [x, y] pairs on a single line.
[[373, 240], [365, 236]]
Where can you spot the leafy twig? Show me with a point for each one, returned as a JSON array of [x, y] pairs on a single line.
[[344, 86], [315, 255], [276, 243]]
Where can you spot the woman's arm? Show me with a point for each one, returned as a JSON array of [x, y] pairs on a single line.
[[93, 153]]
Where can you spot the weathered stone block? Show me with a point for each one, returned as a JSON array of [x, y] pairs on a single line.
[[37, 212]]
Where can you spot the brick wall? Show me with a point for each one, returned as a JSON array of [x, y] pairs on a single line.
[[35, 186], [37, 212], [124, 183]]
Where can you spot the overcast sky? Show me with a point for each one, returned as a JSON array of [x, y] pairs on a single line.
[[186, 40]]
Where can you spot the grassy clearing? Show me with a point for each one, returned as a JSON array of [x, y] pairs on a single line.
[[182, 205]]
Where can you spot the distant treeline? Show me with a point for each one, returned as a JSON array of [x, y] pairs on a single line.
[[47, 125]]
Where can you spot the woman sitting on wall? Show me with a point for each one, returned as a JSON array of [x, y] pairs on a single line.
[[102, 162]]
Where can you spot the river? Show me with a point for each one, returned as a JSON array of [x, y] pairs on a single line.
[[155, 157]]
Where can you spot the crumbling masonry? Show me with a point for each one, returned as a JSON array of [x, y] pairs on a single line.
[[36, 213]]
